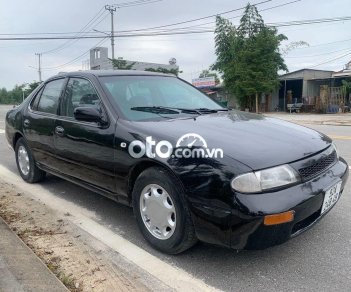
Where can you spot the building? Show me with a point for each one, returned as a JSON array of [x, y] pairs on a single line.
[[314, 90], [99, 60], [298, 85]]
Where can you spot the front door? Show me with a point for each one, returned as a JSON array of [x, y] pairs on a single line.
[[85, 149]]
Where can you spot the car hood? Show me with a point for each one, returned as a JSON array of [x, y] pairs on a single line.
[[255, 140]]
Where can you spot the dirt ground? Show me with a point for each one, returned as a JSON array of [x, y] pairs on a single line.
[[78, 265]]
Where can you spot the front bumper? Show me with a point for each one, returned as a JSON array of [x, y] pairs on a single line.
[[242, 227]]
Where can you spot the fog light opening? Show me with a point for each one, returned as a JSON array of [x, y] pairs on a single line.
[[280, 218]]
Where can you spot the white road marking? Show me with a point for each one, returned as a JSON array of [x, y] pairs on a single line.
[[174, 277], [2, 131], [338, 137]]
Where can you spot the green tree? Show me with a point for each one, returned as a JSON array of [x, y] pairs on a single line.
[[346, 90], [292, 46], [31, 86], [248, 57], [346, 84], [16, 94], [3, 95], [208, 73], [164, 70], [121, 64]]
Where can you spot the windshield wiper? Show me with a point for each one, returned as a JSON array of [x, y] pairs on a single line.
[[165, 110], [207, 110], [156, 110], [176, 110]]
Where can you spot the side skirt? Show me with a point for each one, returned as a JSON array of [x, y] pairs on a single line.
[[113, 196]]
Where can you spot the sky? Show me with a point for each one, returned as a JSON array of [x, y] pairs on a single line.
[[194, 52]]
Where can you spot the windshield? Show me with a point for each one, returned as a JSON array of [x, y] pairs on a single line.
[[133, 93]]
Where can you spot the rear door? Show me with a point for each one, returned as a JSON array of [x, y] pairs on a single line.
[[85, 149], [39, 122]]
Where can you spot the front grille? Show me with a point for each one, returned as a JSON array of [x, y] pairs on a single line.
[[318, 167]]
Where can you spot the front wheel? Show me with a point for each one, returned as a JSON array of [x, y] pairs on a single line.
[[26, 163], [162, 212]]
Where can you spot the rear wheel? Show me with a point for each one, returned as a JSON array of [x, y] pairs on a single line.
[[162, 212], [26, 163]]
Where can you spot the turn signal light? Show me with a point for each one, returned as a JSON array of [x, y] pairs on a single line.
[[279, 218]]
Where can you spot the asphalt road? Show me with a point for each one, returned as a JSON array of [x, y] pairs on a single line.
[[317, 260]]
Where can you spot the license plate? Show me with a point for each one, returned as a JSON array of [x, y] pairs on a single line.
[[331, 197]]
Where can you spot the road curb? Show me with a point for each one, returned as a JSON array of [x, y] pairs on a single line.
[[175, 278], [22, 269]]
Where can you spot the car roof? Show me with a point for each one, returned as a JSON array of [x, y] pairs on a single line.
[[100, 73]]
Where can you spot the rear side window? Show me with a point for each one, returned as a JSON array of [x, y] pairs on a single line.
[[49, 99], [35, 101]]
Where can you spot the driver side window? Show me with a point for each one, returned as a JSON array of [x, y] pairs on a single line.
[[79, 93]]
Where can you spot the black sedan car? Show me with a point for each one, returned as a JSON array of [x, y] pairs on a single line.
[[191, 169]]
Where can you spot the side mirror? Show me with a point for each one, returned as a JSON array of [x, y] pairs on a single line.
[[87, 114]]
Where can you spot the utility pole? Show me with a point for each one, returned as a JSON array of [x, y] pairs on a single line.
[[39, 68], [112, 10]]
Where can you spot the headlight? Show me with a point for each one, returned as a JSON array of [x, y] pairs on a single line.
[[256, 182]]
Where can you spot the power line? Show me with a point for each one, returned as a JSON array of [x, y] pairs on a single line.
[[111, 9], [170, 32], [44, 33], [21, 45], [289, 23], [238, 16], [206, 30], [135, 3], [159, 33], [167, 25], [74, 33], [324, 44], [81, 32], [310, 21], [58, 33], [197, 19], [150, 28], [101, 37], [75, 59], [331, 60], [311, 56], [70, 42]]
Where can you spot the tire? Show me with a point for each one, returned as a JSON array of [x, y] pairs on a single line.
[[180, 237], [29, 172]]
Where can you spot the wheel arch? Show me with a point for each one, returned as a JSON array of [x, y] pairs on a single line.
[[142, 166], [16, 137]]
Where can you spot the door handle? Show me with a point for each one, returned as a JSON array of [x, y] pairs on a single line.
[[26, 123], [59, 131]]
